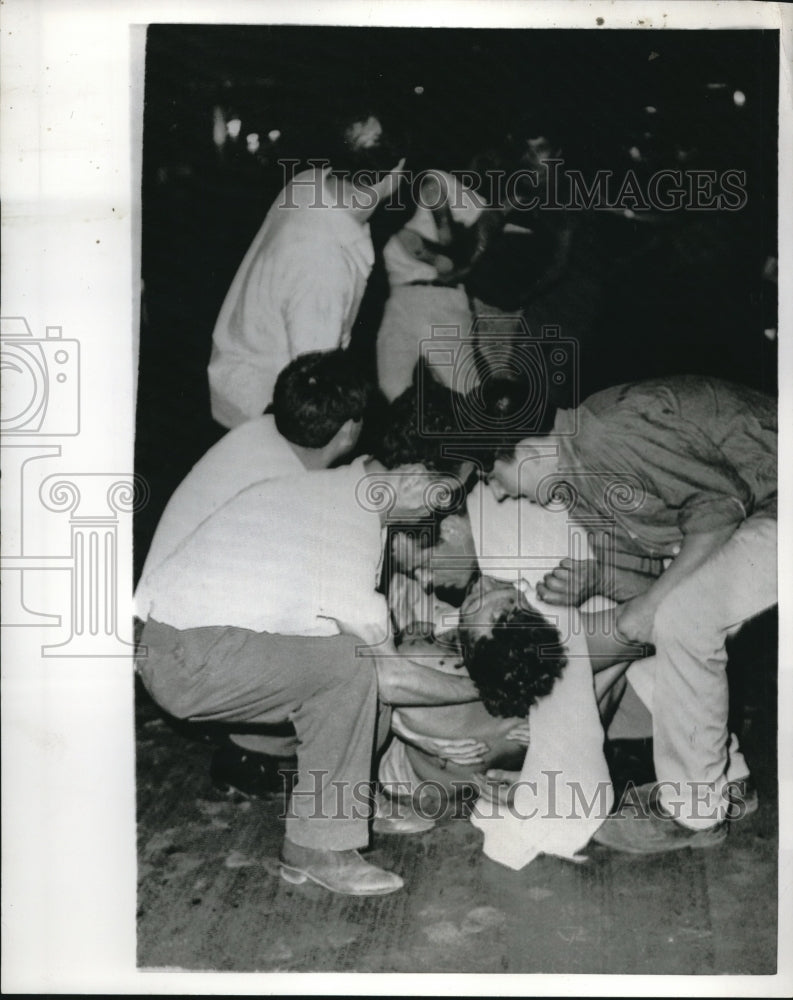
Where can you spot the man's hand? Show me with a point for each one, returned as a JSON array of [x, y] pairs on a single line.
[[520, 734], [465, 752], [635, 619], [572, 582]]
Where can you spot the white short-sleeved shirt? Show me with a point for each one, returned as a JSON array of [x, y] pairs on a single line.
[[251, 452], [298, 289], [293, 556]]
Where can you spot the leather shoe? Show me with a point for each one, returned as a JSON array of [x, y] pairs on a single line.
[[398, 816], [344, 872], [640, 826]]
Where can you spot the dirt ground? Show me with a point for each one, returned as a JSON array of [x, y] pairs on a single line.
[[210, 897]]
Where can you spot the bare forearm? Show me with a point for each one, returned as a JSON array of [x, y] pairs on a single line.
[[636, 617], [404, 682], [606, 647]]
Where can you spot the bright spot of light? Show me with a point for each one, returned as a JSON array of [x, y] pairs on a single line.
[[635, 154], [739, 98], [218, 127], [418, 90], [650, 110], [252, 142], [716, 86], [274, 135], [233, 127]]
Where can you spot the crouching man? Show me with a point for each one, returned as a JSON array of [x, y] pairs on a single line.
[[263, 615], [684, 469]]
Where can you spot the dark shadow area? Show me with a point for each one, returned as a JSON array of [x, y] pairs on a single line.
[[644, 296]]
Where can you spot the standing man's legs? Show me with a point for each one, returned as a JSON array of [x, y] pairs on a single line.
[[691, 697]]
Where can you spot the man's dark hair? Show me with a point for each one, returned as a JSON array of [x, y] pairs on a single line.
[[362, 141], [316, 394], [503, 399], [416, 426], [517, 664]]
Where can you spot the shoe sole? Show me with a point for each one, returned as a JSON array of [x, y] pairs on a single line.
[[678, 846], [384, 826], [297, 876], [226, 788]]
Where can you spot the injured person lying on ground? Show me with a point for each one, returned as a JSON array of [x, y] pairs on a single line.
[[550, 679]]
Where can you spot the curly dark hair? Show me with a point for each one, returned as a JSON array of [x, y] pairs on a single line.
[[517, 664]]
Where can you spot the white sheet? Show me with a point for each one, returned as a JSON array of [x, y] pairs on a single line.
[[565, 791]]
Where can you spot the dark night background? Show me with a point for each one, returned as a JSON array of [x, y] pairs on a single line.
[[652, 295], [642, 297]]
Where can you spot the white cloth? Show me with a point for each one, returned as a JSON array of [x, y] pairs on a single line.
[[292, 555], [565, 791], [251, 452], [519, 540], [413, 311], [297, 289], [465, 207]]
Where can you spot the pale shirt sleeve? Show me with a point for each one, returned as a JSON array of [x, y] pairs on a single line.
[[295, 298], [317, 309]]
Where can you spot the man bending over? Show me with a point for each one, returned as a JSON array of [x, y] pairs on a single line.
[[684, 471]]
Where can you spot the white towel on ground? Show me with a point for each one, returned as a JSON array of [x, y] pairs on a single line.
[[565, 791]]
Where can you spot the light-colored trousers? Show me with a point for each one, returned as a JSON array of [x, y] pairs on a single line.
[[329, 693], [689, 691]]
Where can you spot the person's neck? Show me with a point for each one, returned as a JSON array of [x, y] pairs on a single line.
[[312, 459]]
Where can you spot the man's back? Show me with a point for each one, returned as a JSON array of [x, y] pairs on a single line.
[[291, 555], [297, 290], [251, 452], [700, 451]]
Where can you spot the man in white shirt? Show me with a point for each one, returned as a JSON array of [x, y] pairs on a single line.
[[259, 616], [319, 402], [301, 282]]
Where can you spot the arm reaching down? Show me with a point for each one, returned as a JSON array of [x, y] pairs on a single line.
[[606, 644], [635, 618], [405, 681]]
